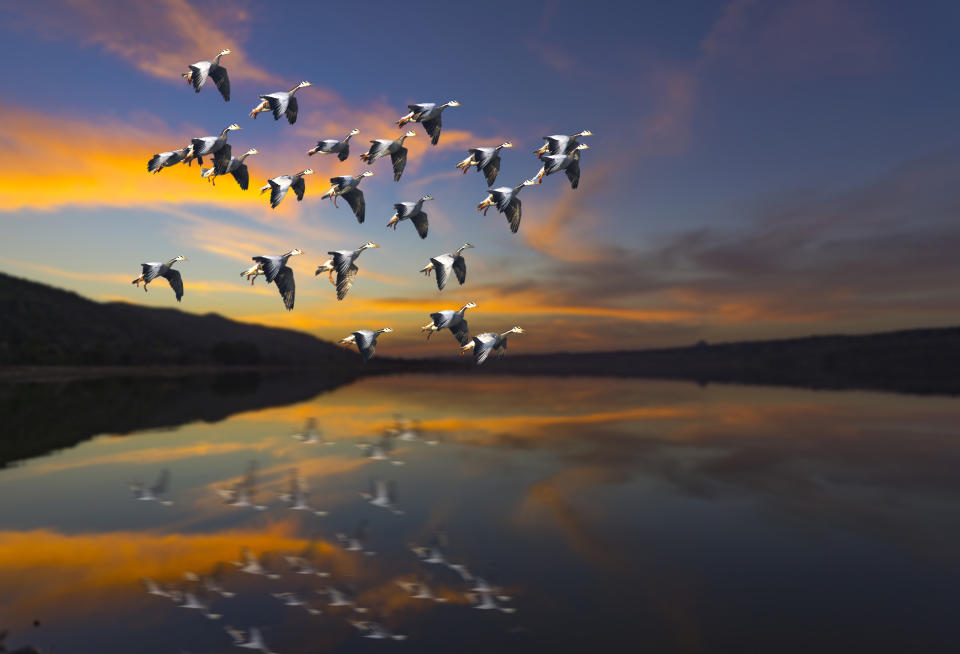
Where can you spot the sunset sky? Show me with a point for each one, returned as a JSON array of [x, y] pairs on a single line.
[[759, 169]]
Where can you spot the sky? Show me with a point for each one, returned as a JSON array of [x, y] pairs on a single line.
[[757, 170]]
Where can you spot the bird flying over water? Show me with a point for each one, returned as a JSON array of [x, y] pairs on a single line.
[[234, 166], [412, 211], [365, 340], [274, 269], [198, 73], [346, 187], [483, 344], [506, 200], [280, 103], [344, 262], [486, 160], [156, 269], [452, 320], [278, 187], [383, 147], [427, 114], [332, 146], [444, 264]]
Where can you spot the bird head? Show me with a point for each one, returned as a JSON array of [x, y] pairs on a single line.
[[410, 134], [470, 305], [426, 197], [517, 330], [583, 146], [368, 245], [506, 144], [225, 51], [233, 127], [295, 251], [585, 132], [386, 330], [308, 171], [252, 151], [466, 348], [302, 85], [466, 246], [179, 258], [354, 132], [366, 173], [452, 103]]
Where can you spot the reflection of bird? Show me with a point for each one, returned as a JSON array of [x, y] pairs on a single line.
[[444, 264], [292, 599], [486, 160], [365, 340], [375, 630], [569, 163], [433, 554], [338, 597], [274, 269], [211, 583], [561, 144], [333, 146], [251, 565], [254, 639], [420, 590], [452, 320], [280, 103], [154, 269], [242, 493], [198, 73], [235, 166], [156, 492], [167, 159], [486, 601], [305, 562], [278, 187], [204, 145], [483, 344], [412, 211], [345, 263], [346, 187], [505, 199], [396, 150], [427, 114], [356, 542], [193, 600], [311, 434], [383, 494], [296, 497]]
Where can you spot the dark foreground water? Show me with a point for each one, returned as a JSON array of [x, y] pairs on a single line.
[[615, 514]]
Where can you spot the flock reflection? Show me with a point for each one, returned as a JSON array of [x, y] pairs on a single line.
[[519, 514]]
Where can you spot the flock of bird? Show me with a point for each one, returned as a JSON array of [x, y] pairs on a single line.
[[558, 153], [298, 579]]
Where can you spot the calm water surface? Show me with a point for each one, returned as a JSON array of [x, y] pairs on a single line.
[[616, 514]]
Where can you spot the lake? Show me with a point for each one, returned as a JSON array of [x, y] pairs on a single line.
[[600, 514]]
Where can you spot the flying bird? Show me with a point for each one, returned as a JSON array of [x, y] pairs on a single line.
[[346, 187], [412, 211], [445, 263], [344, 262], [274, 269], [427, 114], [569, 163], [487, 160], [383, 147], [166, 159], [452, 320], [561, 144], [198, 73], [365, 340], [156, 269], [278, 186], [506, 200], [333, 146], [483, 344], [235, 166], [280, 103], [204, 145]]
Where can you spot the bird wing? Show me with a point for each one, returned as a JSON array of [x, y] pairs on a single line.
[[156, 161], [368, 349], [573, 173], [340, 182], [461, 331], [419, 221], [399, 159], [460, 268], [160, 486], [556, 144], [483, 346], [378, 148], [403, 209], [345, 280], [432, 127], [242, 175], [286, 286], [513, 215], [554, 162], [442, 265], [421, 108], [491, 169], [345, 152], [150, 270], [202, 145], [198, 74], [176, 282], [221, 160], [441, 319], [299, 187], [278, 189], [354, 198], [342, 260], [222, 80], [278, 103], [292, 110], [271, 266], [502, 197]]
